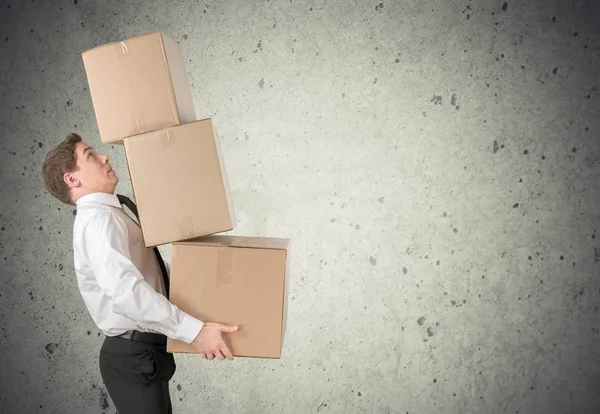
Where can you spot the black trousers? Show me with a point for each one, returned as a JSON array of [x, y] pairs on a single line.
[[136, 375]]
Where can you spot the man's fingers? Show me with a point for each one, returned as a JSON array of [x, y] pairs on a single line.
[[219, 355], [210, 355], [225, 328], [202, 355], [227, 353]]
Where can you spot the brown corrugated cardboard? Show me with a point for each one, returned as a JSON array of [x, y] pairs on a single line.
[[234, 280], [138, 85], [180, 183]]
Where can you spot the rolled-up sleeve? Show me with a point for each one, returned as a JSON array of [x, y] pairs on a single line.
[[107, 240]]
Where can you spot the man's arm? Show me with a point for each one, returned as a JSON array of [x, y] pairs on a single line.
[[106, 238]]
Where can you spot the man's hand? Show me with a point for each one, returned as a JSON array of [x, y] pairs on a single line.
[[209, 341]]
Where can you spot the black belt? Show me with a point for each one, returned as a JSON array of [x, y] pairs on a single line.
[[147, 337]]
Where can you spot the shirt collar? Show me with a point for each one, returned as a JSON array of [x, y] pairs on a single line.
[[101, 198]]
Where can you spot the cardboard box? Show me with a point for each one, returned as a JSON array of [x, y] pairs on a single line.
[[236, 281], [138, 85], [180, 183]]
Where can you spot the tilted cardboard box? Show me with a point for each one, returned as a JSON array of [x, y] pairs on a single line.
[[138, 85], [180, 183], [234, 280]]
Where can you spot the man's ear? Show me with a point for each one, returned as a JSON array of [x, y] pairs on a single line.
[[71, 180]]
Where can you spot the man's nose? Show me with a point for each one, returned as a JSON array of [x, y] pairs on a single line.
[[105, 157]]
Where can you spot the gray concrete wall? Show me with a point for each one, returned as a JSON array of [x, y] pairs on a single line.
[[436, 164]]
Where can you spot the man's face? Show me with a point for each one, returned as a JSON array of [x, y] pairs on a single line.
[[94, 173]]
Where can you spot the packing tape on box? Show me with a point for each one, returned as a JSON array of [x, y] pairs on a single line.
[[185, 226], [139, 121], [225, 266], [166, 140]]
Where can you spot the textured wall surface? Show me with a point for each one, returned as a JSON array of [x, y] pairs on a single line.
[[436, 163]]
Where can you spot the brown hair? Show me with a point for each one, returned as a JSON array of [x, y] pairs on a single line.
[[59, 161]]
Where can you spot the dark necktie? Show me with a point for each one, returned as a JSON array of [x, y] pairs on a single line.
[[131, 205]]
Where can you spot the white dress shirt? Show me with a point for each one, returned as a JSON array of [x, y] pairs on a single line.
[[119, 277]]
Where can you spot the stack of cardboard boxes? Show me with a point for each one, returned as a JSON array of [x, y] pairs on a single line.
[[142, 99]]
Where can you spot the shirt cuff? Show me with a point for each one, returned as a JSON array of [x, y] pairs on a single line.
[[188, 329]]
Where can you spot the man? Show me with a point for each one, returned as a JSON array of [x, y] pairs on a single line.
[[122, 285]]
